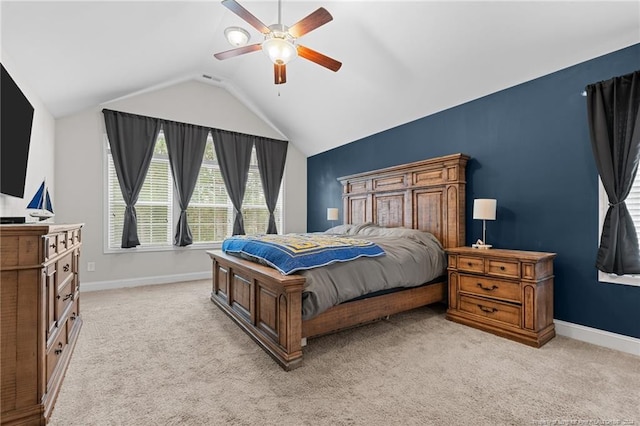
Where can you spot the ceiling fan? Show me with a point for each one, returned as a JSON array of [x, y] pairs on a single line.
[[280, 41]]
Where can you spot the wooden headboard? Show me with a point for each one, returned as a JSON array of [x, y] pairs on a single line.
[[428, 195]]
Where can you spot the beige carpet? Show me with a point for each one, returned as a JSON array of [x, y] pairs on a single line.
[[165, 355]]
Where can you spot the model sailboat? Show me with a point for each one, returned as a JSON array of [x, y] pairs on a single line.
[[41, 203]]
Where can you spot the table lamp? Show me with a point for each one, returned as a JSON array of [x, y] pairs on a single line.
[[485, 209], [332, 214]]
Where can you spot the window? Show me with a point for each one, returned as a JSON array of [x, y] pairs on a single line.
[[210, 211], [633, 205]]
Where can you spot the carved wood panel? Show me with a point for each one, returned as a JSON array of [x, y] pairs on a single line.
[[221, 277], [389, 210], [357, 209], [429, 212], [268, 312], [241, 299]]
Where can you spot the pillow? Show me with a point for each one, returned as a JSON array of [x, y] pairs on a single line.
[[341, 229], [349, 229], [422, 237]]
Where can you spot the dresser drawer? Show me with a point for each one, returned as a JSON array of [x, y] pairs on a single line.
[[50, 246], [491, 287], [65, 297], [495, 310], [73, 238], [54, 352], [471, 264], [503, 268], [65, 267]]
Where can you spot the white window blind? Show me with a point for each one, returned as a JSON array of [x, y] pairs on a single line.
[[633, 205], [210, 211]]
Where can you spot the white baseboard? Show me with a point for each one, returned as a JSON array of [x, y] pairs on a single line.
[[607, 339], [136, 282]]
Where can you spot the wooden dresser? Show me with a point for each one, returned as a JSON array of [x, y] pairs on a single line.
[[40, 316], [505, 292]]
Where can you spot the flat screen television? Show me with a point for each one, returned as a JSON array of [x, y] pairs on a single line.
[[16, 118]]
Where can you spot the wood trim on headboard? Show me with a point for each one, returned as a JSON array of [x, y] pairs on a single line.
[[428, 195]]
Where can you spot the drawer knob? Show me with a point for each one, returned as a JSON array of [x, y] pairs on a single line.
[[486, 309], [65, 268], [59, 350], [493, 287], [469, 264], [53, 246], [502, 268], [73, 316]]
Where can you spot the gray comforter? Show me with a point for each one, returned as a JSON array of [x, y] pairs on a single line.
[[412, 258]]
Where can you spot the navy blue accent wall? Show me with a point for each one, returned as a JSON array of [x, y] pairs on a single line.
[[530, 149]]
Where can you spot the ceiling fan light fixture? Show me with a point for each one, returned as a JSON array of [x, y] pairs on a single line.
[[237, 36], [279, 50]]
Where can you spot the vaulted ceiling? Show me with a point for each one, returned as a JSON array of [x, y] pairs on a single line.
[[402, 60]]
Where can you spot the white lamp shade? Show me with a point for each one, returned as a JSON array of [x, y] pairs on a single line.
[[332, 213], [484, 208], [279, 50], [237, 36]]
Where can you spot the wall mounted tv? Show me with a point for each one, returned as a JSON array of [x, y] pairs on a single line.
[[16, 118]]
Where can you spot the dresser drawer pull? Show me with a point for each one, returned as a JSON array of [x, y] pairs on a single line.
[[67, 297], [65, 268], [486, 309], [73, 316], [469, 264], [59, 350], [502, 268], [53, 246], [493, 287]]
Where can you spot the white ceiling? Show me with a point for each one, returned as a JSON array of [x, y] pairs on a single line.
[[402, 60]]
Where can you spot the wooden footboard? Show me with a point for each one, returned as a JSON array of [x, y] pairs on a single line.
[[268, 306]]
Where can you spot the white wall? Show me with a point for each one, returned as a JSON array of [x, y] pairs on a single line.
[[41, 150], [80, 174]]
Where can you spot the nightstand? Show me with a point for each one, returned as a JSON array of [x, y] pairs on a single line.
[[504, 292]]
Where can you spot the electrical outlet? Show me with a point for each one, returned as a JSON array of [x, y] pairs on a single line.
[[91, 266]]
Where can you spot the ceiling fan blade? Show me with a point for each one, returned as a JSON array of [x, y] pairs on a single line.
[[280, 73], [310, 22], [319, 58], [236, 8], [238, 51]]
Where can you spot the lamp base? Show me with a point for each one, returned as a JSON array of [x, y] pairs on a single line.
[[481, 246]]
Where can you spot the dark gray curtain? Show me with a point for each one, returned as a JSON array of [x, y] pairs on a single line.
[[233, 151], [272, 155], [614, 124], [185, 144], [132, 139]]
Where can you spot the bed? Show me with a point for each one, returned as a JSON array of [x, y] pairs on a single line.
[[427, 195]]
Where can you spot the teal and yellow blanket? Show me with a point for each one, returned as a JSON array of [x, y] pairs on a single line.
[[295, 252]]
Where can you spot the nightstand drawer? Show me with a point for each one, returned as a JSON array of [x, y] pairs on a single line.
[[503, 268], [498, 311], [490, 287], [471, 264]]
